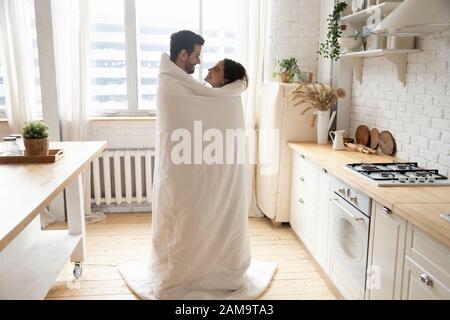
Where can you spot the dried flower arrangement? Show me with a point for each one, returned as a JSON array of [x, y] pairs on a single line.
[[320, 97]]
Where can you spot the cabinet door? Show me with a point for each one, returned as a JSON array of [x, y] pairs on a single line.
[[388, 247], [421, 284], [323, 208], [304, 199]]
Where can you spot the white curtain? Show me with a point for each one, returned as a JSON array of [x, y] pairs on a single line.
[[71, 32], [17, 60], [254, 30]]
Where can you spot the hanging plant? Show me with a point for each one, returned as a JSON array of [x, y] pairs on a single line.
[[331, 48]]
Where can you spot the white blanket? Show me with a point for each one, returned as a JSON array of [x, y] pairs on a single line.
[[200, 247]]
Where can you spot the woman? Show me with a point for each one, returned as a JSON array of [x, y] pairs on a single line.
[[226, 71]]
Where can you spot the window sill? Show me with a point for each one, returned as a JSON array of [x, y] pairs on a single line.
[[140, 118]]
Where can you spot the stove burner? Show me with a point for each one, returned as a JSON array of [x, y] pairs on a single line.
[[368, 167], [402, 166], [386, 174], [421, 174]]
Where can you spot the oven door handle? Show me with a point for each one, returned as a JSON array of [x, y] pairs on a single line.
[[354, 218]]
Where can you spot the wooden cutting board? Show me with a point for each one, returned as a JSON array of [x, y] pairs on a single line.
[[362, 135], [374, 138], [387, 143]]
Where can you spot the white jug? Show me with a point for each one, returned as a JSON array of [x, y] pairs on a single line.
[[338, 139]]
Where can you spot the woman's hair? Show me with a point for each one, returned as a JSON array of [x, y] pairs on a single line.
[[233, 71]]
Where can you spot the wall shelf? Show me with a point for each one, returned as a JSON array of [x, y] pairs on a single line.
[[398, 57], [358, 19]]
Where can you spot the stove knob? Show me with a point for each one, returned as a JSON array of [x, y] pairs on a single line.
[[402, 179], [412, 179], [422, 179], [431, 179]]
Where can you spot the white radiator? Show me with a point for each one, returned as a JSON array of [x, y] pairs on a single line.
[[123, 176]]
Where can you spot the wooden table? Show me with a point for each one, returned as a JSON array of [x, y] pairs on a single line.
[[31, 259]]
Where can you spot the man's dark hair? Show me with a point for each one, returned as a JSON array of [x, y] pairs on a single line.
[[184, 40]]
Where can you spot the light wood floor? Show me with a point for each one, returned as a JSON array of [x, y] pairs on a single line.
[[126, 237]]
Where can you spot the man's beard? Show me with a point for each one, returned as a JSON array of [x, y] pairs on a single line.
[[190, 69]]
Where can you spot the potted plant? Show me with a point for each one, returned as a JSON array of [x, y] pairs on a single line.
[[287, 70], [320, 98], [35, 138], [331, 48]]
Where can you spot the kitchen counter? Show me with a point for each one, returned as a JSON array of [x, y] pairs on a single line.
[[421, 206]]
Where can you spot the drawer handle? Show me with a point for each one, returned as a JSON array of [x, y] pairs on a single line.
[[300, 200], [324, 170], [302, 156], [386, 210], [426, 279], [302, 179]]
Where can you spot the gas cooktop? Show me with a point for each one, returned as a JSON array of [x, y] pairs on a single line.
[[399, 174]]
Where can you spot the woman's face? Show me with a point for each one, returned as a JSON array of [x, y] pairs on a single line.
[[215, 75]]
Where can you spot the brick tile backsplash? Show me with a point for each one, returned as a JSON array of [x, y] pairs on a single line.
[[295, 32], [417, 114]]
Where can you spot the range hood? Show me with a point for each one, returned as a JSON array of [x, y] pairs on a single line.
[[416, 17]]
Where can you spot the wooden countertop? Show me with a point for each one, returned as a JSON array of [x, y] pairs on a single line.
[[427, 217], [398, 199], [25, 189]]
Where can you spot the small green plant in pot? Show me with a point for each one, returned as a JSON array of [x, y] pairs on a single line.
[[286, 70], [35, 138]]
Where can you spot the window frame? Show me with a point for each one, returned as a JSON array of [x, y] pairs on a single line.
[[132, 66]]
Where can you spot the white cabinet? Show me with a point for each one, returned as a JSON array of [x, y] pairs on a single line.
[[388, 232], [426, 272], [310, 196], [304, 199]]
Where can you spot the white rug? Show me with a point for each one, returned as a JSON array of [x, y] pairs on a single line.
[[258, 278]]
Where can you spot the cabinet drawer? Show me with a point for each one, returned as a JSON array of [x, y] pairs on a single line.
[[304, 199], [304, 168], [421, 284], [431, 254]]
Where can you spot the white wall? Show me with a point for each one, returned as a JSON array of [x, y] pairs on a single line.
[[119, 134], [418, 114], [295, 32]]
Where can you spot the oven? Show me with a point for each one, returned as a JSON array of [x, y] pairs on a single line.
[[349, 227]]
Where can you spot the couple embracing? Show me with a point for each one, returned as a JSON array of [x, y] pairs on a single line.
[[200, 239]]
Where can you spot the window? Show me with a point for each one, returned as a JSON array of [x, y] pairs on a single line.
[[155, 25], [128, 37], [220, 32], [108, 56]]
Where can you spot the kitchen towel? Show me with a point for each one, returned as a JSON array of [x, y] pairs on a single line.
[[200, 238]]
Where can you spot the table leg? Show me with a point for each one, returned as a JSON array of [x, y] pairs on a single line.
[[75, 216]]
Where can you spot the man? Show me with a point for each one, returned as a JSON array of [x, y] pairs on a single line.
[[185, 50]]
